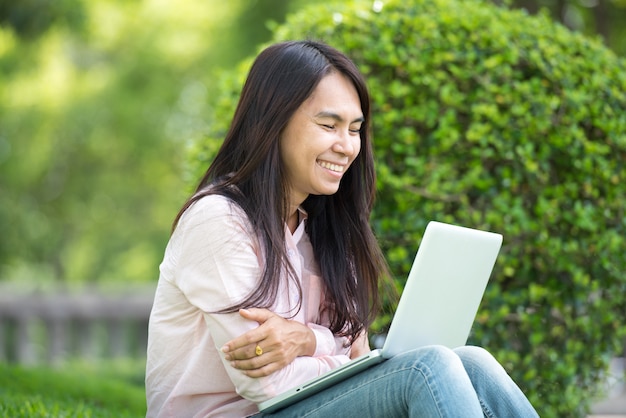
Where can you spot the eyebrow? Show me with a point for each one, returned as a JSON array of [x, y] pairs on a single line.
[[337, 117]]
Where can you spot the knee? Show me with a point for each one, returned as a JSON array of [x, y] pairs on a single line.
[[436, 353], [473, 354], [477, 360], [439, 366], [436, 358]]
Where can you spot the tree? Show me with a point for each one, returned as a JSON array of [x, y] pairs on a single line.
[[99, 100], [32, 18], [494, 119], [603, 18]]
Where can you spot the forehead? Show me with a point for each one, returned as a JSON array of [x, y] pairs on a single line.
[[336, 94]]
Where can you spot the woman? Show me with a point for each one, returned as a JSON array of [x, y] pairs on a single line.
[[270, 277]]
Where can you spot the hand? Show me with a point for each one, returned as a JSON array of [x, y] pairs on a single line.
[[281, 341], [360, 346]]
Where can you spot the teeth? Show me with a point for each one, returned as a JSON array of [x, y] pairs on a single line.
[[332, 167]]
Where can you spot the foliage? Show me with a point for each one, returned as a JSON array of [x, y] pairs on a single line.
[[594, 18], [88, 124], [97, 102], [493, 119], [77, 391], [32, 18]]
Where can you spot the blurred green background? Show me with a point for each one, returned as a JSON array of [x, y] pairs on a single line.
[[99, 100]]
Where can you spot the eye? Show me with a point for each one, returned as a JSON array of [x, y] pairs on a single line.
[[328, 126], [356, 129]]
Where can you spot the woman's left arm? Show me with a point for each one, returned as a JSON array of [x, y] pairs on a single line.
[[280, 341], [274, 344]]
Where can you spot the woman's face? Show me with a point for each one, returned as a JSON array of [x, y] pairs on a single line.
[[322, 138]]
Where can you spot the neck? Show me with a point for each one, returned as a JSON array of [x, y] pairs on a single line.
[[293, 221], [294, 214]]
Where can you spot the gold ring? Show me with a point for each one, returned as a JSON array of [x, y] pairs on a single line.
[[258, 350]]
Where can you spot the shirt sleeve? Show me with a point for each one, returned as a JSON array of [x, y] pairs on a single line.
[[326, 342], [219, 263]]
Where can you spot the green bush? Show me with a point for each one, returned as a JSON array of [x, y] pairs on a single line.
[[493, 119], [77, 391]]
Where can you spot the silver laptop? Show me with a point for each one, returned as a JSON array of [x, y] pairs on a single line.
[[438, 304]]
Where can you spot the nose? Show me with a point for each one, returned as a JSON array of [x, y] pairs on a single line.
[[347, 144]]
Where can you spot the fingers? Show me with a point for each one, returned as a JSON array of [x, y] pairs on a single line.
[[257, 314], [245, 343], [242, 347], [248, 351], [258, 366], [279, 342], [254, 348], [261, 371], [259, 362]]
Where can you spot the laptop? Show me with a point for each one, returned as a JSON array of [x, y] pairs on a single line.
[[437, 307]]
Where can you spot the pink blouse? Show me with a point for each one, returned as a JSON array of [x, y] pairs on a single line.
[[213, 260]]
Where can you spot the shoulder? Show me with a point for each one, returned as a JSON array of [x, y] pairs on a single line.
[[214, 211], [213, 203]]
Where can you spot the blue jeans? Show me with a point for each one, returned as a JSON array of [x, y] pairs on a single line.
[[428, 382]]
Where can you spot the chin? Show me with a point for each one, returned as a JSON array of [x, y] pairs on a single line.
[[326, 190], [329, 192]]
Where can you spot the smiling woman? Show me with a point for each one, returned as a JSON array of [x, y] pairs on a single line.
[[272, 272], [322, 139]]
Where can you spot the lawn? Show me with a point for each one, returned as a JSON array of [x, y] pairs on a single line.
[[113, 389]]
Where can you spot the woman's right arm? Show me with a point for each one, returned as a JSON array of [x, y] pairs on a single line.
[[218, 264]]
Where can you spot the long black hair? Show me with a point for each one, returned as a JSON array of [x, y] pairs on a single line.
[[248, 170]]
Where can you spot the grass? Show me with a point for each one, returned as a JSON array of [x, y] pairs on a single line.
[[112, 389]]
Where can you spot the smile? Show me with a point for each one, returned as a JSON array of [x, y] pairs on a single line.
[[330, 166]]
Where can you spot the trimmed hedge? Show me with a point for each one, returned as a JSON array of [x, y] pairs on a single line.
[[493, 119]]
